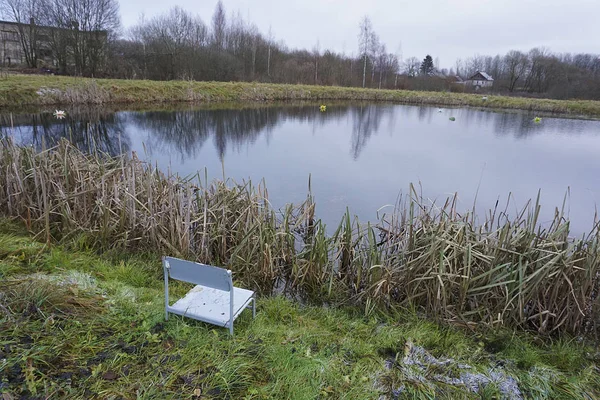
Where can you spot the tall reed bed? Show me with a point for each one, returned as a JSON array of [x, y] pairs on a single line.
[[500, 271]]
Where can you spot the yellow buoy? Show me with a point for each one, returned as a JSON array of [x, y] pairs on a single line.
[[323, 108]]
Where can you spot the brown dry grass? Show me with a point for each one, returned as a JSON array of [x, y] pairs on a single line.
[[503, 271]]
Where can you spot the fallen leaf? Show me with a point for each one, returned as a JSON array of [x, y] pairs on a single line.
[[197, 392]]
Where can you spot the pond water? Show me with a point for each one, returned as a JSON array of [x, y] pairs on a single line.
[[360, 156]]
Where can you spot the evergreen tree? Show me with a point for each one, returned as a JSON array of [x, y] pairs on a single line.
[[427, 66]]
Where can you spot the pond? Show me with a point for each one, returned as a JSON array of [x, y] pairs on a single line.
[[361, 156]]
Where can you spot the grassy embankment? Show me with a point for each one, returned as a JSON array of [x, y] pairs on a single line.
[[21, 90], [79, 324]]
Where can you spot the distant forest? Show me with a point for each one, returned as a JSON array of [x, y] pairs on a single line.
[[180, 45]]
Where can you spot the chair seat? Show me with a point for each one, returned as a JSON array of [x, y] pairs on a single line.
[[211, 305]]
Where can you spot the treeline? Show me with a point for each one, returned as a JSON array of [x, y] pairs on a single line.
[[180, 45], [539, 72]]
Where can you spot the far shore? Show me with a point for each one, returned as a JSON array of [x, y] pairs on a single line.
[[38, 90]]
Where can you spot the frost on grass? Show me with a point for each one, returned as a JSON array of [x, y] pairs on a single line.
[[44, 91], [422, 369], [88, 92], [48, 297], [82, 280]]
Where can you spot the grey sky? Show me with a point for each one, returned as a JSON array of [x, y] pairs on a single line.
[[444, 29]]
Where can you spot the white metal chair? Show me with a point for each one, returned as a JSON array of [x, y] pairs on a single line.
[[214, 299]]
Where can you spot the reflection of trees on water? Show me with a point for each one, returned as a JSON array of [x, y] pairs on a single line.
[[187, 131], [522, 126], [425, 113], [366, 120], [181, 130], [89, 131], [519, 125]]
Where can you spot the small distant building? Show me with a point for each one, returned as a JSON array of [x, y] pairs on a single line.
[[11, 48], [480, 80], [46, 39]]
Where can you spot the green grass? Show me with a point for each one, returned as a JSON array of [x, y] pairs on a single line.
[[77, 324], [20, 90]]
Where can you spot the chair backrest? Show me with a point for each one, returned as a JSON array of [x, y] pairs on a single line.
[[200, 274]]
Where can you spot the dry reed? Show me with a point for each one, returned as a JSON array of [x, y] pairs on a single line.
[[503, 271]]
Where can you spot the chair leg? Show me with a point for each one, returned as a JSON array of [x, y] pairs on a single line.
[[253, 308], [166, 315], [231, 328]]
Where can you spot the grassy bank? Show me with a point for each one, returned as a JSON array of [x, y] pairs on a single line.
[[78, 324], [20, 90], [496, 272]]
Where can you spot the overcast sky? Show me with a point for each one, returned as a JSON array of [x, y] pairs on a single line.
[[444, 29]]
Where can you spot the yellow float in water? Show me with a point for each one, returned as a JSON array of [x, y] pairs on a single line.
[[537, 120], [323, 108]]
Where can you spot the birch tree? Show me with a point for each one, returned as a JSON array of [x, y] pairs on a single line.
[[365, 41]]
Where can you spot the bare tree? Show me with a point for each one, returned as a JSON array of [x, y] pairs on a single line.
[[399, 60], [365, 43], [172, 41], [412, 66], [87, 28], [375, 45], [219, 25], [460, 67], [495, 69], [539, 71], [317, 54], [516, 64], [382, 61], [270, 41], [475, 64], [27, 14]]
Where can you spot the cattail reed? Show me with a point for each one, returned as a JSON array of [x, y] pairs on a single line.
[[502, 271]]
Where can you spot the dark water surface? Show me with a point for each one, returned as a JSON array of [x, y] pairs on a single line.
[[360, 156]]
